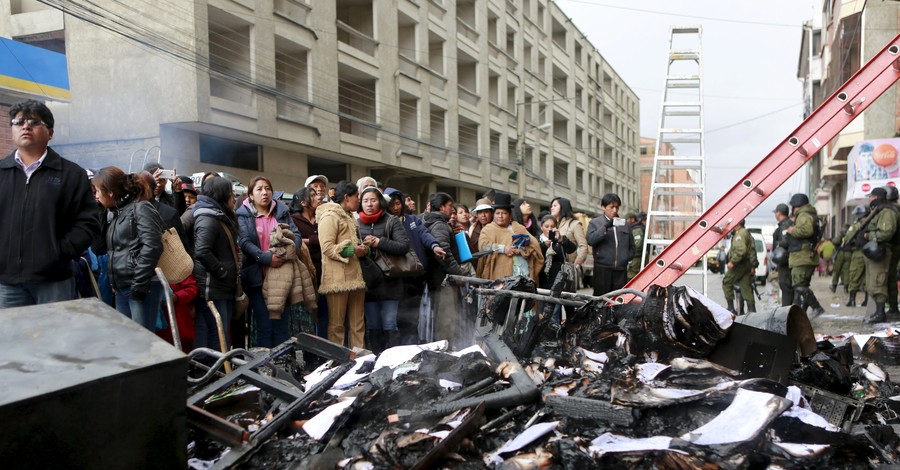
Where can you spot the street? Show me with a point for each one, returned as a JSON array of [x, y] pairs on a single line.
[[837, 319]]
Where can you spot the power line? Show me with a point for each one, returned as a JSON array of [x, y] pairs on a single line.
[[770, 113]]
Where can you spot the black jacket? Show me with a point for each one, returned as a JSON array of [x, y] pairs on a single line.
[[439, 226], [613, 246], [134, 244], [561, 248], [392, 240], [214, 266], [44, 223], [253, 258]]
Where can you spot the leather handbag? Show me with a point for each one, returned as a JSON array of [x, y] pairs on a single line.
[[175, 261], [394, 266], [572, 277]]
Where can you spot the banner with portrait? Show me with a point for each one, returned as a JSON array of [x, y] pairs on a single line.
[[870, 164]]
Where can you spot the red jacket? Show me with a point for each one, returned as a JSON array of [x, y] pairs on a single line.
[[185, 293]]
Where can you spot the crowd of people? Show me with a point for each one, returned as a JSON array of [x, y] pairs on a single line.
[[353, 261]]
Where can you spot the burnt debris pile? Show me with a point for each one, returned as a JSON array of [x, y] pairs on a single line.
[[647, 384]]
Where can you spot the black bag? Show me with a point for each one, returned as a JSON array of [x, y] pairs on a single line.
[[571, 271], [371, 273], [396, 267]]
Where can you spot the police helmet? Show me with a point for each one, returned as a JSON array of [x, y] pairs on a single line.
[[860, 211], [799, 199], [873, 250], [892, 193], [780, 256]]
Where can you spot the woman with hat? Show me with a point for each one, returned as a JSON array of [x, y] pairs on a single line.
[[514, 251]]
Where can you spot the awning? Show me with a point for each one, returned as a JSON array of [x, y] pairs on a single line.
[[33, 71]]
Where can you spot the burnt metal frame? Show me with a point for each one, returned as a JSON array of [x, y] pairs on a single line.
[[244, 444]]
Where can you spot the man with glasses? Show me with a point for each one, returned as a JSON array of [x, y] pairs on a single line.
[[48, 216]]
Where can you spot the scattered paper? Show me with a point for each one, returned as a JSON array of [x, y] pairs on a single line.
[[648, 371], [745, 417], [528, 436], [322, 422], [609, 442], [397, 355], [802, 450]]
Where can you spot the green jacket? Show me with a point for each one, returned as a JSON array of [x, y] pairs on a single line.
[[742, 246], [801, 244], [883, 225], [850, 237], [637, 232]]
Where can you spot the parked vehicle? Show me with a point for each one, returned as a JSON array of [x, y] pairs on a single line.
[[239, 188], [762, 255]]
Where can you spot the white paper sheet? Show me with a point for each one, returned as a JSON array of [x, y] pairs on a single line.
[[648, 371], [723, 317], [527, 436], [322, 422], [397, 355], [748, 414], [802, 450], [609, 442]]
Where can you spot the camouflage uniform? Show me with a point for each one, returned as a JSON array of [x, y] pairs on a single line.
[[741, 273], [857, 265], [841, 261], [634, 266], [880, 229], [803, 258]]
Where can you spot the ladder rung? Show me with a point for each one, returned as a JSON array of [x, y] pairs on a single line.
[[682, 103], [677, 193], [681, 113], [673, 130], [679, 158], [678, 185], [683, 85], [682, 166], [684, 55], [685, 29]]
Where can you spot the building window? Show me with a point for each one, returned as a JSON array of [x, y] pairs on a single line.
[[559, 34], [435, 52], [406, 36], [357, 102], [355, 24], [291, 80], [560, 172], [409, 118], [438, 125], [229, 57], [224, 152]]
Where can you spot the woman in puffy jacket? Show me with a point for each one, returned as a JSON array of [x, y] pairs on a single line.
[[133, 241], [214, 260], [257, 216], [342, 280], [382, 232]]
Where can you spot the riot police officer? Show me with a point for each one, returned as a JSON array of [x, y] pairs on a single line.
[[841, 259], [803, 259], [881, 230], [637, 232], [853, 242], [780, 254], [740, 268], [891, 198]]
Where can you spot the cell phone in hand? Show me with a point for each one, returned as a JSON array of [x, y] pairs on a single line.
[[167, 174], [618, 222]]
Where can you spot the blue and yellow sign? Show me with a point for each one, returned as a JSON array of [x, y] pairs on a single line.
[[33, 70]]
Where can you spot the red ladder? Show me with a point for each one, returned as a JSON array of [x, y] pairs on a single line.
[[864, 87]]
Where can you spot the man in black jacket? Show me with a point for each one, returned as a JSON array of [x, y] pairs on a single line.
[[48, 216], [444, 317], [613, 245]]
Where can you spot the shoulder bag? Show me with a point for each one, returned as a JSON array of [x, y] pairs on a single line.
[[175, 262], [397, 266]]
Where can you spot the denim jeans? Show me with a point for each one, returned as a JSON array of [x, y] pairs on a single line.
[[207, 333], [143, 312], [382, 315], [267, 332], [35, 293]]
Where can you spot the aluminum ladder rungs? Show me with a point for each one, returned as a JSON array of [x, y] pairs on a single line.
[[670, 104], [682, 166], [679, 158], [681, 113], [684, 55], [664, 192], [692, 140], [679, 185], [685, 29], [677, 130]]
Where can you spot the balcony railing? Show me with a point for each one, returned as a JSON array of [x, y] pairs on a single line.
[[350, 36]]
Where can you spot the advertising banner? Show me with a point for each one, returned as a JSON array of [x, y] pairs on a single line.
[[870, 164]]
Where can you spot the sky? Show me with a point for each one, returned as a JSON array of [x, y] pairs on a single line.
[[750, 51]]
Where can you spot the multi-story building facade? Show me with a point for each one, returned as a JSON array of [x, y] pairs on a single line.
[[835, 44], [424, 95]]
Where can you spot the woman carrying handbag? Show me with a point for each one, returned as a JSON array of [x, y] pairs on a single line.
[[383, 234], [215, 263]]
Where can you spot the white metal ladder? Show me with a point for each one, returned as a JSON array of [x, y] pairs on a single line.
[[678, 185]]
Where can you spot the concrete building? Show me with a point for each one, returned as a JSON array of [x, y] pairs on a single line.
[[834, 45], [424, 95]]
